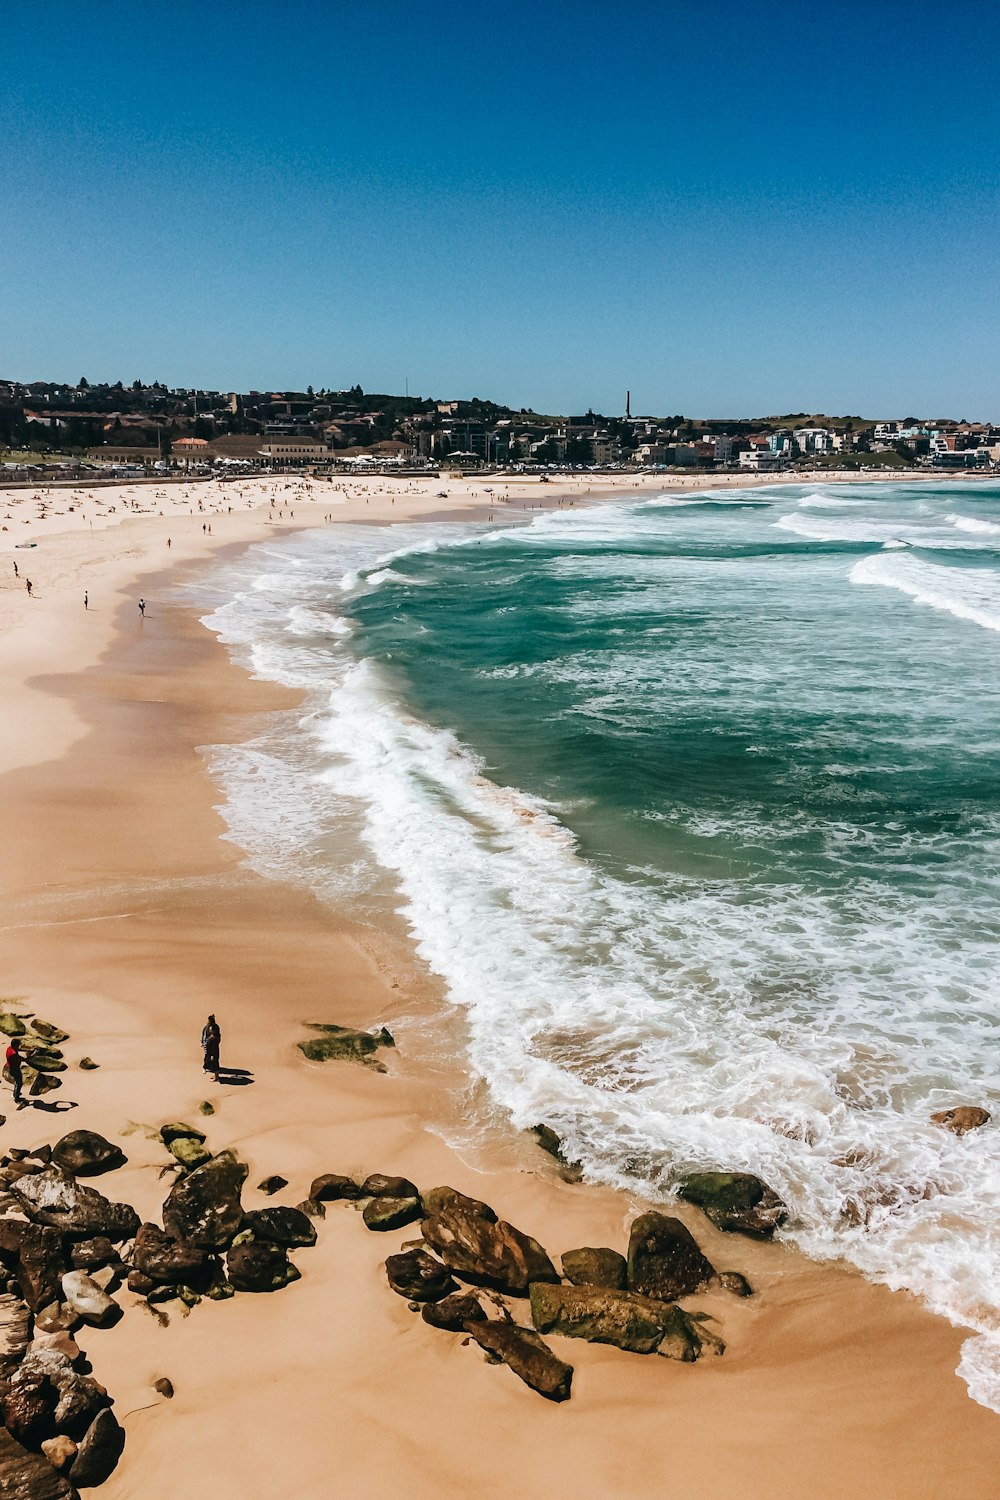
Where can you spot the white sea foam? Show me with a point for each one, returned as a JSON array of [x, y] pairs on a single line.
[[967, 593], [974, 524]]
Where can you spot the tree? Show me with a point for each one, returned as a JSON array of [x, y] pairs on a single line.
[[84, 384]]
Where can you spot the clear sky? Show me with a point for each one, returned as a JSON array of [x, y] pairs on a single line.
[[729, 208]]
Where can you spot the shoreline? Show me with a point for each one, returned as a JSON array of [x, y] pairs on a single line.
[[129, 918]]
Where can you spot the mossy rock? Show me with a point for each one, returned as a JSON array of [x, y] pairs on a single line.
[[40, 1083], [178, 1131], [189, 1152], [45, 1059], [88, 1065], [344, 1044], [382, 1214], [48, 1032], [11, 1025], [204, 1108]]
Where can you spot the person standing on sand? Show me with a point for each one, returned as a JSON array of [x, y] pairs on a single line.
[[13, 1059], [86, 599], [211, 1041], [27, 584], [16, 573], [142, 608]]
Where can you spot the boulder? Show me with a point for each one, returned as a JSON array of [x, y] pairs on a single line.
[[962, 1118], [312, 1208], [204, 1207], [485, 1251], [88, 1301], [84, 1153], [206, 1107], [48, 1032], [79, 1397], [91, 1255], [453, 1312], [437, 1199], [281, 1226], [342, 1043], [664, 1260], [162, 1259], [418, 1276], [29, 1476], [99, 1452], [14, 1330], [737, 1202], [27, 1406], [272, 1185], [380, 1186], [189, 1152], [60, 1451], [391, 1213], [258, 1266], [54, 1198], [527, 1355], [88, 1065], [595, 1267], [330, 1187], [736, 1283], [603, 1316], [39, 1082], [11, 1025], [45, 1059], [36, 1253], [177, 1130]]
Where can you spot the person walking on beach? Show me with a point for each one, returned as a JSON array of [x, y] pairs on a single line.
[[16, 573], [86, 599], [142, 608], [211, 1041], [13, 1059], [27, 584]]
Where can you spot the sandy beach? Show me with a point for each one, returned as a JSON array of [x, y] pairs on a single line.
[[128, 918]]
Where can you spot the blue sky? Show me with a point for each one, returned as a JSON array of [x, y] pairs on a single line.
[[729, 208]]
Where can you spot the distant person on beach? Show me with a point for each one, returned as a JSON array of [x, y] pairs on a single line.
[[86, 599], [27, 584], [211, 1041], [16, 574], [13, 1058], [142, 608]]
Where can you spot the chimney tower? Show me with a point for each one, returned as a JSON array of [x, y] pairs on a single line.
[[628, 405]]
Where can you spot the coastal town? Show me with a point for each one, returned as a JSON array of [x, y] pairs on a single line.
[[52, 429]]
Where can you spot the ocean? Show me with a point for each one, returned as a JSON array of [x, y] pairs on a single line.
[[692, 804]]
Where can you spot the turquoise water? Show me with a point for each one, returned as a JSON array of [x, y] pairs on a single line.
[[693, 805]]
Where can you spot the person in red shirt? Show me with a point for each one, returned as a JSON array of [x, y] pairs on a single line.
[[13, 1058]]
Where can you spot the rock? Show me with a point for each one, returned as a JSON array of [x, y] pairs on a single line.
[[177, 1130], [258, 1266], [164, 1387], [88, 1065], [590, 1267], [87, 1299], [204, 1207], [453, 1312], [60, 1451], [189, 1152], [56, 1317], [162, 1259], [664, 1260], [48, 1032], [437, 1199], [36, 1252], [91, 1255], [80, 1397], [281, 1226], [104, 1276], [45, 1059], [485, 1251], [99, 1452], [39, 1082], [205, 1108], [736, 1283], [140, 1283], [552, 1143], [962, 1118], [344, 1044], [379, 1186], [312, 1208], [84, 1153], [418, 1276], [527, 1355], [11, 1025], [14, 1331], [272, 1185], [737, 1202], [603, 1316], [29, 1476], [391, 1213], [27, 1406], [61, 1343], [330, 1187], [54, 1198]]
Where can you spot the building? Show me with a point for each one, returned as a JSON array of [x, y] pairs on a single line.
[[295, 452], [762, 459]]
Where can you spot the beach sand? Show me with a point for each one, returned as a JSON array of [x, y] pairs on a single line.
[[127, 919]]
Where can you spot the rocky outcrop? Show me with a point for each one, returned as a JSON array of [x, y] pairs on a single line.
[[166, 1261], [595, 1267], [204, 1207], [962, 1118], [53, 1197], [454, 1312], [84, 1153], [35, 1254], [99, 1452], [282, 1226], [342, 1043], [483, 1250], [625, 1319], [418, 1277], [330, 1187], [382, 1214], [259, 1266], [29, 1476], [664, 1261], [737, 1202], [92, 1254], [15, 1330], [528, 1355], [380, 1186]]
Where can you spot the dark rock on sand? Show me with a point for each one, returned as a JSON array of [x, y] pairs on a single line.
[[179, 1130], [84, 1153], [48, 1032], [391, 1213], [91, 1255], [27, 1406], [281, 1226], [312, 1208], [418, 1276], [140, 1283], [161, 1258], [164, 1387], [602, 1316], [737, 1202], [35, 1253], [330, 1187], [29, 1476], [437, 1199], [99, 1453], [204, 1208], [962, 1118], [272, 1185], [380, 1186], [527, 1355], [664, 1260], [595, 1267], [10, 1024], [342, 1043], [78, 1397], [736, 1283], [53, 1197], [189, 1152], [15, 1330], [452, 1313], [88, 1065], [258, 1266], [45, 1059], [485, 1251]]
